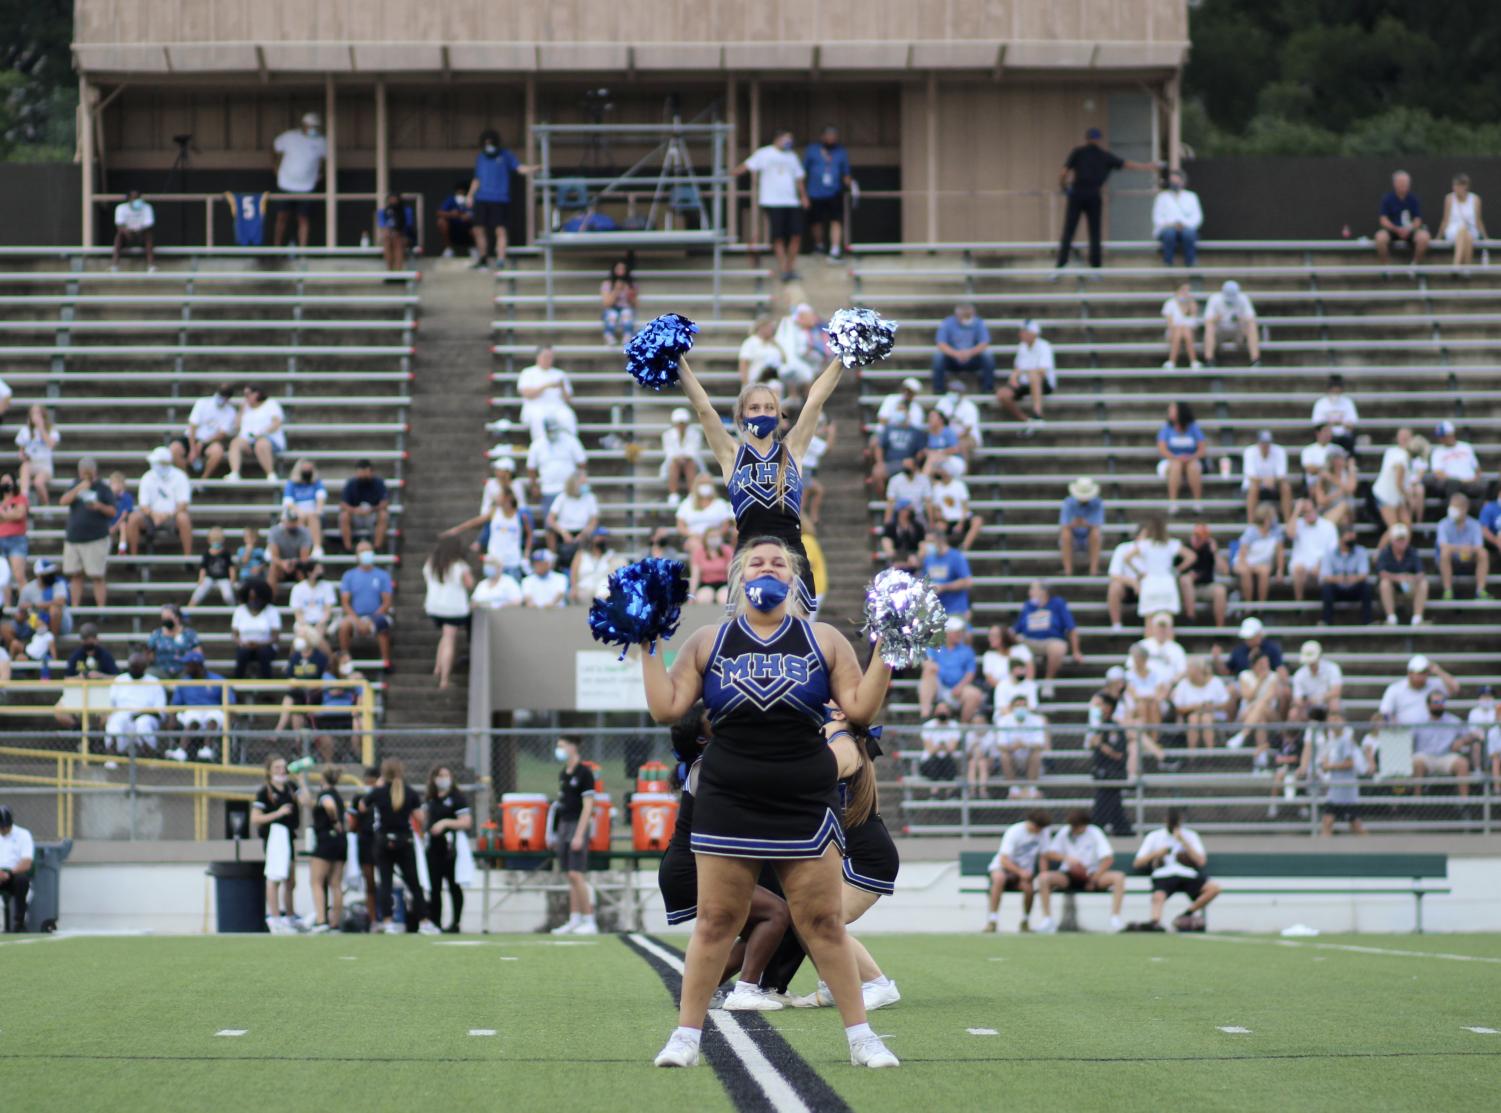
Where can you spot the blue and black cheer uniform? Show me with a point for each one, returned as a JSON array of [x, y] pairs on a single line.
[[677, 873], [766, 508], [871, 860]]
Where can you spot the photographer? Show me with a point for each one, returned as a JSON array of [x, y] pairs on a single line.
[[390, 806], [170, 643]]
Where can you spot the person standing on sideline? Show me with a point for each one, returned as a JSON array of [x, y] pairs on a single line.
[[1176, 217], [575, 811], [782, 188], [276, 815], [17, 850], [1083, 180], [449, 582], [134, 220], [449, 818], [1014, 867], [1176, 857], [827, 165], [297, 156], [490, 197], [330, 850], [390, 806]]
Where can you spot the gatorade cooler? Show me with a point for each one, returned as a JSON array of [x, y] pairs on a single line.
[[599, 823], [523, 821], [653, 816], [654, 776], [488, 836]]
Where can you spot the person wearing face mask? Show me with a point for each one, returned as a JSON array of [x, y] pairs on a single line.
[[170, 643], [546, 393], [297, 155], [365, 593], [1181, 312], [490, 196], [276, 815], [305, 493], [260, 431], [702, 511], [570, 836], [163, 497], [826, 165], [199, 708], [137, 703], [449, 821], [709, 569], [1176, 216], [255, 628], [456, 222], [589, 574], [313, 603], [782, 194], [545, 586], [1461, 548], [135, 220], [338, 697], [767, 788], [396, 228], [288, 546], [1485, 724], [573, 516], [211, 425], [551, 459]]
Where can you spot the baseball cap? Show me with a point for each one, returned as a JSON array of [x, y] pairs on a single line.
[[312, 119], [1310, 652], [42, 566], [679, 415], [1265, 436], [1230, 287], [1251, 627], [1029, 325], [1084, 488], [953, 467], [909, 383], [196, 657], [1094, 133], [1444, 429], [1417, 663], [364, 464], [161, 454], [1115, 672], [955, 623]]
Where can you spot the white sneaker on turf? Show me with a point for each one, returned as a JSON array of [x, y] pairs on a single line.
[[820, 998], [751, 999], [879, 996], [586, 926], [392, 929], [273, 925], [871, 1052], [1047, 927], [566, 928], [319, 929], [427, 927], [679, 1052], [1117, 924]]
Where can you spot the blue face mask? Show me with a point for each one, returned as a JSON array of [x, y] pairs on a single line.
[[763, 426], [766, 593]]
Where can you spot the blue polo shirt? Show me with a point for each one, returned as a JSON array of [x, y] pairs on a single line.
[[297, 492], [901, 441], [365, 587], [1051, 620], [947, 568], [494, 175], [943, 441], [1181, 442], [1091, 512], [1490, 516], [1394, 207], [826, 169], [961, 336], [953, 662], [201, 695]]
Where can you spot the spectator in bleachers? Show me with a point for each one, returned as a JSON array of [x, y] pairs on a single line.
[[1390, 488], [948, 675], [902, 536], [260, 431], [137, 704], [1264, 466], [589, 575], [497, 590], [490, 196], [544, 586], [199, 708], [250, 559], [1399, 568], [1461, 548], [503, 474], [313, 602], [948, 571], [297, 155], [903, 403], [911, 486], [42, 612], [1314, 456], [1490, 525], [1009, 672], [819, 444], [942, 740], [761, 357], [551, 459], [288, 547], [1033, 374], [125, 504], [1182, 446], [396, 229], [338, 697], [90, 660], [805, 347], [1453, 467], [1078, 860], [135, 222], [365, 594], [15, 511], [1462, 223], [510, 533], [305, 493], [448, 581], [682, 454], [1334, 489], [1201, 700], [1417, 493], [1156, 560], [573, 516], [1339, 762], [1401, 220], [35, 441], [617, 299], [949, 511], [1145, 685], [91, 507], [1338, 411], [1021, 738], [1253, 639], [255, 628], [1405, 702], [702, 511], [1440, 744], [1083, 179], [963, 346], [1124, 579], [1081, 520], [1176, 216], [171, 642], [827, 166], [545, 393], [783, 197], [1313, 538], [1203, 578], [1259, 691], [164, 497], [892, 446], [211, 425], [1229, 313], [1486, 724], [1047, 626], [963, 417], [364, 507], [1162, 647], [942, 447], [1181, 312], [1318, 682], [456, 222], [1345, 577]]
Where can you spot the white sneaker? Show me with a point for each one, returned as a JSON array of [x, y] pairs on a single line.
[[679, 1052], [317, 552], [1047, 927], [233, 477], [879, 996], [586, 926], [1195, 365], [1117, 924], [820, 998], [447, 253], [319, 929], [427, 927], [273, 925], [206, 753], [749, 998], [565, 928], [1236, 741], [177, 753], [1417, 620], [392, 929], [871, 1052], [1168, 365]]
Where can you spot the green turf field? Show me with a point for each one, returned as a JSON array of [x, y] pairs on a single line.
[[1081, 1023]]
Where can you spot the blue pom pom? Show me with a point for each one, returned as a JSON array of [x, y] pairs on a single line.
[[644, 604], [651, 356]]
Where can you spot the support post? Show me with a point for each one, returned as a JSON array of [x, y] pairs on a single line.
[[331, 164], [382, 144], [531, 160], [753, 233], [1175, 122], [932, 155], [86, 155], [732, 193]]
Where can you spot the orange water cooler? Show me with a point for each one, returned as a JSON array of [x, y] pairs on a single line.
[[599, 823], [653, 816], [524, 820], [654, 776]]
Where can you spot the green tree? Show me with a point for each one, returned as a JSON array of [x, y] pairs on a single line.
[[37, 86]]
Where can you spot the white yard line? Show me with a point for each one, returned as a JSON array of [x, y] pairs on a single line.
[[231, 1031], [1235, 1030], [1484, 1031], [982, 1031], [482, 1031], [1351, 948]]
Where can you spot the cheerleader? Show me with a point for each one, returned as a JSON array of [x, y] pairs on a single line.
[[766, 787], [390, 806], [330, 849], [275, 813], [449, 817], [763, 473], [357, 818]]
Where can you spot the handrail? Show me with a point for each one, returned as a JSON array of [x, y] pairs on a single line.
[[209, 200]]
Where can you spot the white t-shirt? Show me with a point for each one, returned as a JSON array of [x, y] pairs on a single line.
[[301, 158], [164, 494], [1456, 461], [1385, 488], [916, 489], [1141, 686], [760, 354], [952, 498], [1027, 729], [813, 454], [1163, 839], [545, 591], [1037, 356], [779, 173], [1312, 542], [1022, 845], [313, 601], [892, 406], [491, 595], [1157, 558], [256, 629], [1337, 411], [552, 381], [1405, 705], [1178, 317], [1089, 847], [1484, 719], [554, 459], [129, 694], [1188, 694], [256, 421], [38, 448], [1315, 688], [963, 415], [1118, 565], [1219, 310], [211, 418], [937, 735], [690, 442], [446, 598], [701, 519], [1006, 690], [1314, 457], [1257, 547], [995, 666], [16, 847], [1254, 465], [574, 512], [134, 220], [490, 498], [1172, 207], [504, 547], [1169, 654]]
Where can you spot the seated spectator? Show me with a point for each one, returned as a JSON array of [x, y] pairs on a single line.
[[963, 418], [1405, 702], [1201, 700], [1010, 675], [1490, 527], [892, 446], [1485, 723], [365, 595], [1203, 580], [1176, 216], [546, 393], [1390, 488], [903, 403], [1345, 577], [813, 490], [682, 454], [137, 703], [1338, 411], [948, 510], [1253, 640], [42, 604], [199, 710], [1145, 684], [911, 486], [90, 661], [251, 561], [1399, 568], [1318, 682], [1453, 467], [1181, 312], [948, 675], [1182, 446], [761, 357], [941, 738], [550, 460], [496, 590], [1339, 762], [1021, 738], [1461, 547], [1314, 456], [305, 493], [1312, 539], [1081, 520], [456, 222], [259, 431], [947, 570], [1033, 374], [1174, 855], [1259, 691], [211, 425], [125, 504], [306, 662], [364, 508], [592, 564], [1229, 313], [702, 511], [395, 228], [15, 510], [215, 571], [1048, 628], [801, 338], [1124, 578], [1334, 490], [36, 441], [170, 642], [617, 300], [1262, 557], [963, 346], [1401, 221], [255, 629], [1078, 860], [313, 602], [544, 587], [1462, 223], [288, 547], [942, 446], [1264, 466], [1162, 647], [1439, 746], [165, 495], [708, 569], [135, 221], [902, 536], [341, 692], [573, 516]]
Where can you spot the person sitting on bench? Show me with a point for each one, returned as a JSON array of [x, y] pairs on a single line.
[[1176, 857], [1078, 860], [16, 853]]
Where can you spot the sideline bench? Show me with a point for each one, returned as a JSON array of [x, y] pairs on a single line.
[[531, 871]]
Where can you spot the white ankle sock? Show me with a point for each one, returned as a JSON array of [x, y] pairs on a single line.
[[993, 917], [750, 987], [857, 1032], [692, 1035], [883, 981]]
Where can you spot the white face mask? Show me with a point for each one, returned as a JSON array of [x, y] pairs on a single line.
[[559, 754], [346, 669], [1456, 514], [367, 558], [161, 471], [278, 779], [706, 492], [443, 784]]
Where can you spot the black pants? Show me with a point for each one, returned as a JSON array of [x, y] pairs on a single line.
[[254, 662], [440, 867], [1355, 593], [1109, 813], [390, 854], [16, 887], [1090, 209]]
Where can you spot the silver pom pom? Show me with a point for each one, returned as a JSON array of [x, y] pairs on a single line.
[[905, 614], [860, 337]]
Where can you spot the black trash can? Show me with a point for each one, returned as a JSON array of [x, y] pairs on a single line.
[[42, 907], [239, 896]]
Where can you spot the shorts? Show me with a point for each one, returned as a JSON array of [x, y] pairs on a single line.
[[442, 620], [1190, 887], [331, 848], [1022, 380], [16, 546], [677, 878], [87, 557], [299, 206], [945, 694], [1074, 885], [1204, 593], [1342, 813], [871, 860], [1439, 763], [380, 622], [196, 718], [1012, 883], [335, 722], [785, 221], [573, 861], [822, 210], [488, 214]]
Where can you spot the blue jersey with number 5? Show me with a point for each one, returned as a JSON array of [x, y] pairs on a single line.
[[249, 223]]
